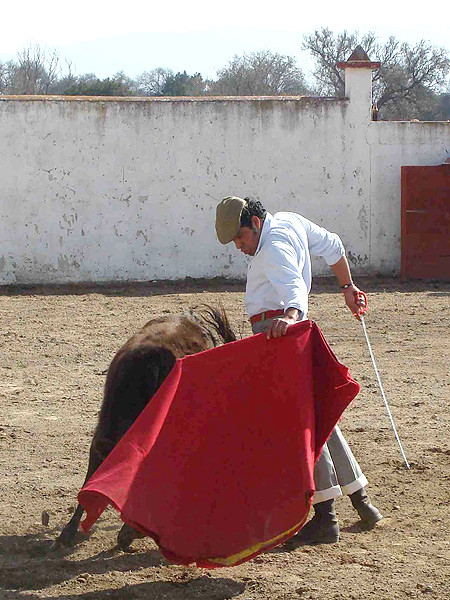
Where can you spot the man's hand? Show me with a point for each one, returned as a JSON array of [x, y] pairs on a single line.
[[279, 326], [354, 299]]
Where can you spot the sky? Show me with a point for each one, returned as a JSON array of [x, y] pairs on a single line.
[[202, 36]]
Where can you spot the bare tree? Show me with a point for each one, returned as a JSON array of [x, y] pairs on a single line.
[[34, 71], [405, 84], [67, 80], [52, 70], [151, 83], [259, 73], [327, 50], [412, 75], [4, 78]]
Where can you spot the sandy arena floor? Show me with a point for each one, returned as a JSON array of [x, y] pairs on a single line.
[[56, 345]]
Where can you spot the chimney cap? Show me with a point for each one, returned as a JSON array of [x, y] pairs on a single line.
[[358, 54], [358, 59]]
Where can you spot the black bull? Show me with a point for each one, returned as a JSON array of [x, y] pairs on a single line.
[[135, 374]]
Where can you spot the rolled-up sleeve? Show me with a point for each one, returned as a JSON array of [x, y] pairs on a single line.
[[283, 268], [323, 243]]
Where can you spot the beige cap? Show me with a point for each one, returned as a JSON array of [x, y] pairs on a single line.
[[228, 218]]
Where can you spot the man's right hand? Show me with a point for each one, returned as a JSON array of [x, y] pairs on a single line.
[[279, 326]]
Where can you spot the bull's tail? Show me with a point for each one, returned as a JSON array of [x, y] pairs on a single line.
[[217, 320]]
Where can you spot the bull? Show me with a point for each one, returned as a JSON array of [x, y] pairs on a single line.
[[134, 375]]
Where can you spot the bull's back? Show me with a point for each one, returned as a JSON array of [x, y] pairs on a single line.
[[180, 335], [141, 365]]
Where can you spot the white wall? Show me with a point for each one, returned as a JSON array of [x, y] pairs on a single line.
[[126, 189]]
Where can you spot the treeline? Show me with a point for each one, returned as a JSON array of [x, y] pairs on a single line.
[[412, 82]]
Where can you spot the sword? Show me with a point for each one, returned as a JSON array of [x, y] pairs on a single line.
[[361, 315]]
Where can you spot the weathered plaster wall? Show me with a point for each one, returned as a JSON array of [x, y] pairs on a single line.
[[393, 145], [126, 189]]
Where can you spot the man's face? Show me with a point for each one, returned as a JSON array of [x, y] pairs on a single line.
[[247, 239]]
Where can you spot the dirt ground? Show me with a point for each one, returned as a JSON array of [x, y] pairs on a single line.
[[56, 345]]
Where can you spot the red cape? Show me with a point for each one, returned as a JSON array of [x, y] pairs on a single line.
[[219, 465]]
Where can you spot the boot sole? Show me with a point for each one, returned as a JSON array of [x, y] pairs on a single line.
[[370, 523], [294, 542], [316, 541]]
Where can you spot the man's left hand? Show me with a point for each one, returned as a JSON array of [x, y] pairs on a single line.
[[354, 299]]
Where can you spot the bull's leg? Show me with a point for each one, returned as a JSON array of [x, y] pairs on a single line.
[[126, 537], [67, 535], [98, 452]]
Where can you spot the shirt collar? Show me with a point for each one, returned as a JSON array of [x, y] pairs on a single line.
[[264, 231]]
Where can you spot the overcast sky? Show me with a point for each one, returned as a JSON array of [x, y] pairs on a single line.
[[105, 37]]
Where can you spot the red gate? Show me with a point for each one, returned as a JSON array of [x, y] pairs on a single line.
[[425, 242]]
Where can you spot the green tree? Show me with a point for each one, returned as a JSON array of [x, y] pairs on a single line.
[[405, 86], [258, 74], [444, 106], [90, 85], [182, 84]]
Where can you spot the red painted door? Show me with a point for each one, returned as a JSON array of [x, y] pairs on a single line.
[[425, 243]]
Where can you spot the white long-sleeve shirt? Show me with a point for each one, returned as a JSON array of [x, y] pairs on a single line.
[[279, 274]]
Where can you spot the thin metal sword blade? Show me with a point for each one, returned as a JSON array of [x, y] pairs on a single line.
[[382, 393]]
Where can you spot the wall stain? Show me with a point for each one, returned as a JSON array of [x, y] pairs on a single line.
[[125, 199], [49, 173], [70, 220], [140, 233], [66, 265], [363, 220], [357, 260], [325, 172]]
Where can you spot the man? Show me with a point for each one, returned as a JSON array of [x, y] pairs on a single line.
[[278, 284]]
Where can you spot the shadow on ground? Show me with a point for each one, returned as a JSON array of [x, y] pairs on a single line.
[[219, 588], [190, 285], [35, 567], [29, 563]]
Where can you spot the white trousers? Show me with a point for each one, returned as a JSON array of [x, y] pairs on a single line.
[[337, 471]]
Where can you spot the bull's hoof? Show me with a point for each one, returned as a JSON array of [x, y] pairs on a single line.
[[126, 537], [66, 539]]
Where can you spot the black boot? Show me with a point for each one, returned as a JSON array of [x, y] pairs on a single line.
[[323, 528], [368, 513]]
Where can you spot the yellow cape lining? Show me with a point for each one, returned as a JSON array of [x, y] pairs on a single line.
[[229, 561]]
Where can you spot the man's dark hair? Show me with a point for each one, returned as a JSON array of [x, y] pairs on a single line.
[[252, 208]]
